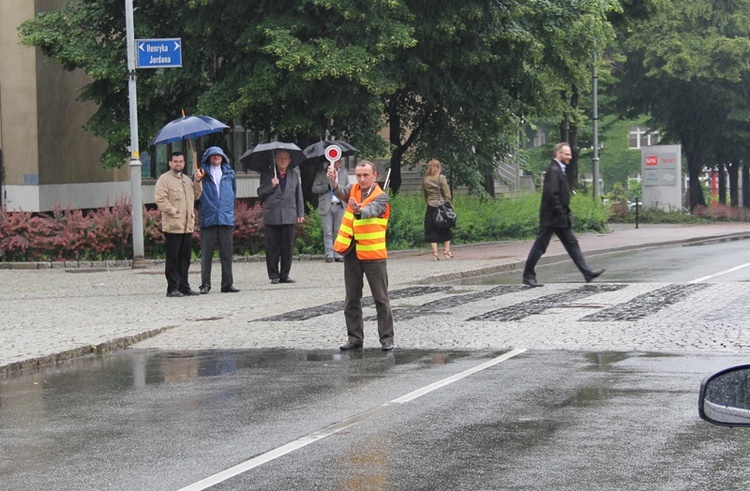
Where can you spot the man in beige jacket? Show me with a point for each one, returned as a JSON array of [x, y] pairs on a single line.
[[176, 194]]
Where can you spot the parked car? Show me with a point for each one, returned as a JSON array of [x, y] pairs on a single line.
[[725, 397]]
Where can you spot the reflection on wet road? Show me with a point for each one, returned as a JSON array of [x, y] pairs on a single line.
[[546, 419]]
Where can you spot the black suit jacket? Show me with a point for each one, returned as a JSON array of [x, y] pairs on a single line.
[[555, 209]]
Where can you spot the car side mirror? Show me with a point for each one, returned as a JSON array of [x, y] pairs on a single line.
[[725, 397]]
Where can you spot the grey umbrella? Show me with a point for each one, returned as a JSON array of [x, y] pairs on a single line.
[[261, 157]]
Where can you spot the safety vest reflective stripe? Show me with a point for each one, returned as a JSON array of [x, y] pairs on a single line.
[[369, 233]]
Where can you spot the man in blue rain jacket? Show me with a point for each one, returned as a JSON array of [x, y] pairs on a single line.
[[216, 217]]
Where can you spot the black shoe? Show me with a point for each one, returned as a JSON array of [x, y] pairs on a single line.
[[339, 259], [387, 346], [532, 282], [593, 275], [231, 289], [190, 292], [329, 259], [175, 293], [286, 280], [349, 345], [204, 289], [274, 281]]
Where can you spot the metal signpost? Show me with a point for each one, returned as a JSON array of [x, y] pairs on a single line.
[[152, 53], [136, 201]]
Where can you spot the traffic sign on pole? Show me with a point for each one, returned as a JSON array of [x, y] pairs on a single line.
[[159, 53]]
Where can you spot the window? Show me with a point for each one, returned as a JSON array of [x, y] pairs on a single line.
[[640, 136], [540, 138]]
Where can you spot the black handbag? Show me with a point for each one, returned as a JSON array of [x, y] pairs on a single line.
[[445, 215]]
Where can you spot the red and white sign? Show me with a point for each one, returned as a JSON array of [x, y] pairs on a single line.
[[333, 153], [652, 160]]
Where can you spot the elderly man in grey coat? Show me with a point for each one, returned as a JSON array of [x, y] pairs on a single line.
[[330, 208], [283, 208]]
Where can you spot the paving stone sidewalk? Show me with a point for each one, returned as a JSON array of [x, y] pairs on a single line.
[[53, 314]]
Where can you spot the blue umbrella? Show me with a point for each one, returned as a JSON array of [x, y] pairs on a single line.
[[188, 127]]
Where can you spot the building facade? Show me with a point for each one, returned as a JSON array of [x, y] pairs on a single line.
[[47, 156]]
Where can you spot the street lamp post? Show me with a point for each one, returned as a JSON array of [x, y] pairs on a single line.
[[136, 200], [595, 159]]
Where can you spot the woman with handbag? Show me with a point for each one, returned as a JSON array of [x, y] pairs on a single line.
[[437, 194]]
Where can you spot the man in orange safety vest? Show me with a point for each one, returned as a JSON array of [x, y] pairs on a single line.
[[361, 240]]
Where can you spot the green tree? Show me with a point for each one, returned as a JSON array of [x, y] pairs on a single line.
[[452, 80], [290, 69], [687, 66]]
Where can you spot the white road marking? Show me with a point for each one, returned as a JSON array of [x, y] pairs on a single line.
[[319, 435], [726, 271]]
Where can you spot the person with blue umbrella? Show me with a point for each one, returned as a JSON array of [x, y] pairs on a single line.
[[175, 195]]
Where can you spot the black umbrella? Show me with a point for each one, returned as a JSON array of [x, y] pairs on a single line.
[[262, 156], [316, 152]]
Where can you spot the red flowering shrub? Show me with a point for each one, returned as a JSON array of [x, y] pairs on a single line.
[[248, 230], [105, 233], [619, 212], [153, 237], [723, 213], [14, 235]]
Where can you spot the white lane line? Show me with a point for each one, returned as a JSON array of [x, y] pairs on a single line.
[[726, 271], [319, 435]]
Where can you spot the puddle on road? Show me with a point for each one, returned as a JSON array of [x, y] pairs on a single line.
[[140, 368]]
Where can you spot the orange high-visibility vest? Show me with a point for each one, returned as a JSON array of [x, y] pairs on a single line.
[[368, 233]]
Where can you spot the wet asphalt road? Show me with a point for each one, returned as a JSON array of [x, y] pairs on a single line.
[[541, 419]]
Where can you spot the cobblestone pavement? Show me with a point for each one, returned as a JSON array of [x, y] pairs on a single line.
[[51, 314]]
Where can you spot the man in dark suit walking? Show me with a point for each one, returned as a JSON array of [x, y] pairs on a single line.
[[556, 218]]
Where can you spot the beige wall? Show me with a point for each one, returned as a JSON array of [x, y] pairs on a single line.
[[47, 155], [18, 108], [67, 153]]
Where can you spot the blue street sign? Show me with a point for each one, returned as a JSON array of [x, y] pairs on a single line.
[[159, 53]]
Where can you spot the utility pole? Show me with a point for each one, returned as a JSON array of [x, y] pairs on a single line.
[[595, 159], [136, 200]]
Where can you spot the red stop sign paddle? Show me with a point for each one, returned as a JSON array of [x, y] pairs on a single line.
[[333, 153]]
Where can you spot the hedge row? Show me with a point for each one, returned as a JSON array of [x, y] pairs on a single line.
[[105, 233]]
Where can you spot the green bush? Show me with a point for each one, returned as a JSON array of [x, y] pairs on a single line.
[[309, 234], [485, 219], [106, 233]]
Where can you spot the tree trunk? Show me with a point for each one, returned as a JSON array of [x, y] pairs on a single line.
[[569, 133], [394, 137], [746, 185], [722, 177], [695, 169], [734, 178], [489, 184]]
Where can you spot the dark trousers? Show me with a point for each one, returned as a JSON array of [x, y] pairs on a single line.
[[279, 248], [377, 277], [569, 241], [209, 236], [179, 249]]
